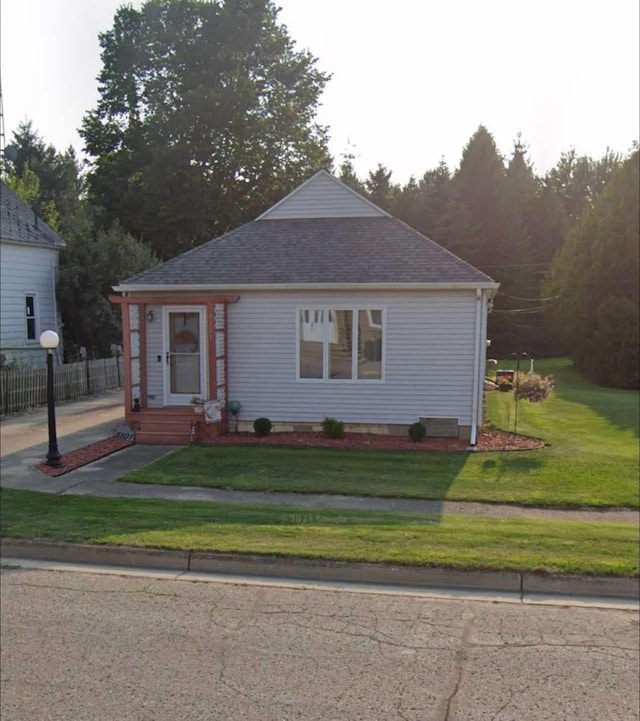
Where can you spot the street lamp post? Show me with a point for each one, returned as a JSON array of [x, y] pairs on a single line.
[[49, 341]]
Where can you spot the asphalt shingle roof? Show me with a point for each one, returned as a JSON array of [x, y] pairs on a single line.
[[315, 250], [20, 224]]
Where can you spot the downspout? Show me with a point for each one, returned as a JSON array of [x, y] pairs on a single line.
[[476, 370]]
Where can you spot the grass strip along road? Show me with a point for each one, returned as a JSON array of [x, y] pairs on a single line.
[[454, 541]]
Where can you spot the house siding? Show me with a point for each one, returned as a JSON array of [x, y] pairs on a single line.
[[26, 269], [429, 352], [323, 197], [155, 368]]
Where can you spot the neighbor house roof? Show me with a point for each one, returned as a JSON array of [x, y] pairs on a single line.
[[19, 224], [313, 251]]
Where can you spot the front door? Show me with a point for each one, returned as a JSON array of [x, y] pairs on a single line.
[[184, 354]]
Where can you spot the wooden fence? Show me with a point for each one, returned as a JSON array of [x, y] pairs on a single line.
[[22, 389]]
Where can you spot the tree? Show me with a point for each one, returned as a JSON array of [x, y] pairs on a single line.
[[94, 259], [90, 265], [488, 231], [577, 180], [380, 189], [595, 283], [205, 118], [59, 177], [347, 172], [480, 189]]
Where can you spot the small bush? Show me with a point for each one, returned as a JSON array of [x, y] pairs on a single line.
[[532, 387], [332, 428], [417, 431], [262, 426]]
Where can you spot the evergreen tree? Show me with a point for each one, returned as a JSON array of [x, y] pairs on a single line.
[[347, 173], [59, 179], [380, 189], [488, 232], [595, 283], [93, 260]]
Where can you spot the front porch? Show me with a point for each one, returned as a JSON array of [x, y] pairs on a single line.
[[175, 349]]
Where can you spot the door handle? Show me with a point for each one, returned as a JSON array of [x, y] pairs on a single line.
[[167, 357]]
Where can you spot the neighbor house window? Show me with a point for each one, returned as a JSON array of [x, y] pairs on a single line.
[[340, 344], [30, 314]]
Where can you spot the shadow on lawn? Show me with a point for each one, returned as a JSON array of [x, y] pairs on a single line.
[[506, 465], [619, 407]]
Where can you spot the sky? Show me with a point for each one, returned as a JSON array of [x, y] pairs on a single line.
[[411, 79]]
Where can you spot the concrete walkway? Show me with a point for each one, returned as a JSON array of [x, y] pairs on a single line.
[[23, 444]]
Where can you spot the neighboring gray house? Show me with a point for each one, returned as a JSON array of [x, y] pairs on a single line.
[[323, 306], [29, 252]]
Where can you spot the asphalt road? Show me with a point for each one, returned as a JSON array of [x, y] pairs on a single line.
[[83, 646]]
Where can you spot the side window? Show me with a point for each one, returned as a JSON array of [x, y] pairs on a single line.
[[30, 315]]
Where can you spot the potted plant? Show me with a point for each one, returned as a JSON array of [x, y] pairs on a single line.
[[198, 404], [504, 384]]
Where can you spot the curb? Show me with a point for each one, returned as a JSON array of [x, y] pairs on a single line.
[[321, 570]]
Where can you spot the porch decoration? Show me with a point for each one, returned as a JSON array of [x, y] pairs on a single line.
[[234, 408], [212, 412], [198, 404]]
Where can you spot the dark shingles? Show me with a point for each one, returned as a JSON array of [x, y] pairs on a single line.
[[18, 222], [315, 250]]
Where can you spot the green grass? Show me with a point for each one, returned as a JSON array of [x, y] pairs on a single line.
[[462, 542], [591, 459]]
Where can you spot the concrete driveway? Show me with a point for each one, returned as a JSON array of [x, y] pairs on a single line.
[[88, 420]]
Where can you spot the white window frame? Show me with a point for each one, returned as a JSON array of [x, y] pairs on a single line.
[[354, 355], [36, 324]]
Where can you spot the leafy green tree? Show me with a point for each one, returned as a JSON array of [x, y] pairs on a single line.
[[90, 265], [206, 116], [577, 180], [595, 283]]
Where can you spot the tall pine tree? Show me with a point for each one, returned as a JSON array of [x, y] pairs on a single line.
[[595, 283]]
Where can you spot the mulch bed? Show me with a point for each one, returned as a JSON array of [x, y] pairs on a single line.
[[488, 440], [88, 454]]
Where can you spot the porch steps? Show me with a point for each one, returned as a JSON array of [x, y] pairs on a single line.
[[171, 426]]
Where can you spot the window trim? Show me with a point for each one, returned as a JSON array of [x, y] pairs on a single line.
[[354, 308], [36, 319]]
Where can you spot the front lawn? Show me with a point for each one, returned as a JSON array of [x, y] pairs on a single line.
[[591, 459], [462, 542]]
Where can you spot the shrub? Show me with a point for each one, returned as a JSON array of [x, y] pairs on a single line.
[[417, 431], [332, 427], [262, 426], [532, 387]]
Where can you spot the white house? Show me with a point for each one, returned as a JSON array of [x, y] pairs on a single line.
[[325, 305], [29, 251]]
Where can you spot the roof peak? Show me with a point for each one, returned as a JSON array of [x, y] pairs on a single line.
[[323, 195]]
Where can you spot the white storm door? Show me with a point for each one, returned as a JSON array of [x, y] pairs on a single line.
[[185, 362]]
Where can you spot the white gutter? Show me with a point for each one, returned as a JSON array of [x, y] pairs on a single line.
[[180, 288], [476, 369]]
